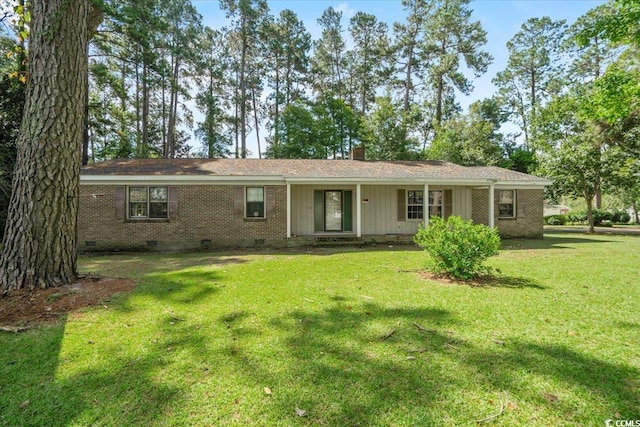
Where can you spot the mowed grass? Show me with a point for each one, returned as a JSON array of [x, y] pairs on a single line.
[[349, 336]]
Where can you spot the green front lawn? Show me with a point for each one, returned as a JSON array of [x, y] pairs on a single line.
[[350, 336]]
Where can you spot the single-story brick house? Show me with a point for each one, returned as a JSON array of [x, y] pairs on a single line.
[[176, 204]]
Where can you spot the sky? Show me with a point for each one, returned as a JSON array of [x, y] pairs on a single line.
[[501, 19]]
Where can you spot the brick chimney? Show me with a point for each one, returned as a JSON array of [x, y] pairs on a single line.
[[357, 153]]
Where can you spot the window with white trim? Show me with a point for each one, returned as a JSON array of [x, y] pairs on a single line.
[[415, 204], [507, 204], [254, 202], [148, 202]]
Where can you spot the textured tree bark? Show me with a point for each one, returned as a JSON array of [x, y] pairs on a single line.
[[39, 245]]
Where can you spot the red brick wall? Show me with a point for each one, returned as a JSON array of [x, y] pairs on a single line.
[[528, 221], [204, 212]]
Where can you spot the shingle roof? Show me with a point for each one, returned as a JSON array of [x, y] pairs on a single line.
[[305, 168]]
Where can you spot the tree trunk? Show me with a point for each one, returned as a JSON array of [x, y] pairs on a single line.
[[440, 87], [139, 141], [598, 199], [85, 131], [533, 133], [124, 140], [146, 107], [39, 245], [592, 228], [407, 81], [276, 117], [210, 118], [243, 92], [165, 146], [439, 90], [236, 117], [256, 121], [173, 109]]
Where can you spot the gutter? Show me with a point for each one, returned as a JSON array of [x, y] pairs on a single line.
[[280, 180]]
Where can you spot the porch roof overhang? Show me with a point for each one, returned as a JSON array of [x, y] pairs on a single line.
[[476, 183]]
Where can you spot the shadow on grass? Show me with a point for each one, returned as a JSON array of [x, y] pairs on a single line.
[[553, 240], [366, 364], [37, 392], [40, 384], [345, 362], [136, 265], [614, 387], [503, 281], [353, 363], [629, 325], [178, 287], [487, 281], [385, 370]]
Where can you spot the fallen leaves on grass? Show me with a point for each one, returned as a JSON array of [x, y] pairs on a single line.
[[22, 309]]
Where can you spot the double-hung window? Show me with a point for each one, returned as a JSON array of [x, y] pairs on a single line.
[[254, 202], [415, 204], [506, 204], [148, 202]]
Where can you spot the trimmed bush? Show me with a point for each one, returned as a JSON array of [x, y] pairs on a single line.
[[577, 217], [458, 248], [600, 216], [555, 219], [621, 217]]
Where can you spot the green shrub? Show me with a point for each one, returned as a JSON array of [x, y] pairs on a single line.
[[621, 217], [555, 219], [577, 217], [457, 247], [600, 216]]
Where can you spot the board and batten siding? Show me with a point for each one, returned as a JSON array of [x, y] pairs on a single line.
[[379, 209], [302, 206], [461, 202], [380, 213]]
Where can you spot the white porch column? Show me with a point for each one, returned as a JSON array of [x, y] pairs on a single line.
[[358, 211], [288, 211], [492, 190], [425, 204]]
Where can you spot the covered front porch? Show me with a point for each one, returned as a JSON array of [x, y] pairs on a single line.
[[381, 210]]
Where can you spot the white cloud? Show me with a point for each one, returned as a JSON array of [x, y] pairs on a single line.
[[347, 11]]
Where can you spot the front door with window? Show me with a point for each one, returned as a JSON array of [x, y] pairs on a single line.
[[332, 211]]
